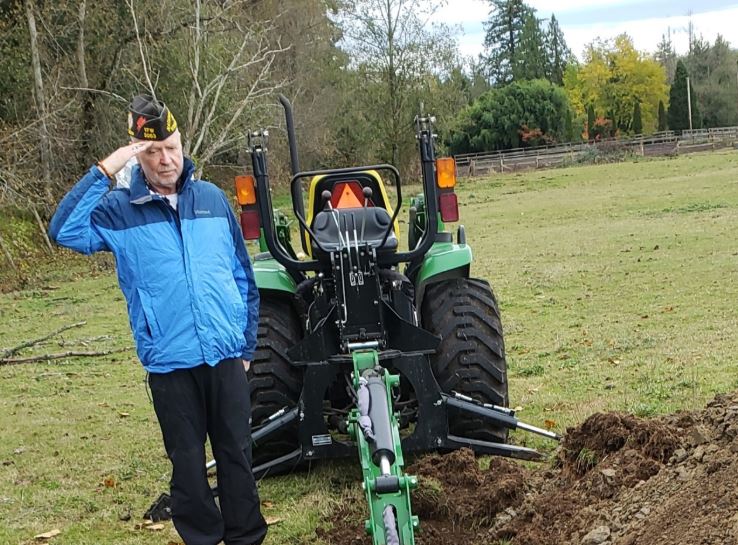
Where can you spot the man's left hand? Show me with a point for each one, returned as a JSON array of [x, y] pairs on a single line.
[[246, 365]]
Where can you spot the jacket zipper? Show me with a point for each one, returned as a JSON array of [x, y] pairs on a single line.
[[177, 225]]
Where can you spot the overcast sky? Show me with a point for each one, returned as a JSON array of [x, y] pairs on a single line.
[[584, 20]]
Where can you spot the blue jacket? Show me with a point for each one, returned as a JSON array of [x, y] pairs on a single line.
[[185, 274]]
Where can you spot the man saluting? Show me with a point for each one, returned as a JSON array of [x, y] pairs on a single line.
[[193, 309]]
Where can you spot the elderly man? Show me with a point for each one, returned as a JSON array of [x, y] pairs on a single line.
[[193, 308]]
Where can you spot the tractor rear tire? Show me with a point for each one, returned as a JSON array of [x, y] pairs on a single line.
[[471, 357], [274, 382]]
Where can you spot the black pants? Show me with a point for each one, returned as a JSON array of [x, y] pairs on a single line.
[[212, 401]]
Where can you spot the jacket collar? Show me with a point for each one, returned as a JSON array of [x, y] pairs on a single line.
[[140, 190]]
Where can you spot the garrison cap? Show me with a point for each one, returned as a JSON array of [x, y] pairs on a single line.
[[150, 119]]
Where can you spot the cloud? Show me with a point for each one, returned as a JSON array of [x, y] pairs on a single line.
[[581, 22], [647, 33], [563, 6], [466, 12]]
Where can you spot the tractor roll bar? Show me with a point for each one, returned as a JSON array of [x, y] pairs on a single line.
[[266, 213], [294, 163], [291, 138], [425, 137], [429, 236], [295, 184]]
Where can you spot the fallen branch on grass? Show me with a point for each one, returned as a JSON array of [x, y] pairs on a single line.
[[10, 351], [70, 354]]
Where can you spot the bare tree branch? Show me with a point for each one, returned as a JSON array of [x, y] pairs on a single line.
[[141, 48], [81, 65], [31, 124], [70, 354], [40, 96], [27, 344]]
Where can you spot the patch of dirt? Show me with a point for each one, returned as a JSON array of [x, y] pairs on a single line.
[[615, 480]]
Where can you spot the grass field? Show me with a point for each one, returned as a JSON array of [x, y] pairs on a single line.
[[618, 286]]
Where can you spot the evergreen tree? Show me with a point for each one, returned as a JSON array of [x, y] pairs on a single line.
[[502, 38], [524, 113], [662, 117], [697, 62], [637, 124], [713, 76], [557, 52], [530, 60], [478, 84], [678, 116], [666, 56], [568, 126]]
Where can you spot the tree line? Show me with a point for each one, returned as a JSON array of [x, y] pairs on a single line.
[[358, 71], [541, 94]]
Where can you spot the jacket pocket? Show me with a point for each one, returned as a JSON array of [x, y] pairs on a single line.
[[152, 324]]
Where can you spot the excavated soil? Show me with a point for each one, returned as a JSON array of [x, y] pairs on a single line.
[[616, 480]]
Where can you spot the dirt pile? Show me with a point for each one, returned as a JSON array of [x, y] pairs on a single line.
[[616, 480], [456, 498]]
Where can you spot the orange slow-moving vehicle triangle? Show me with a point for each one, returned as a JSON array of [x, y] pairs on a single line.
[[348, 198]]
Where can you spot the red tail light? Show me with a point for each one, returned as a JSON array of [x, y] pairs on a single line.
[[448, 205], [250, 224]]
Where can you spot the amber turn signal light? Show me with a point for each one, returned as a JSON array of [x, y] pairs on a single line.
[[245, 190], [446, 172]]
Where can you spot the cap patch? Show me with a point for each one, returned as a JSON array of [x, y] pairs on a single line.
[[150, 119]]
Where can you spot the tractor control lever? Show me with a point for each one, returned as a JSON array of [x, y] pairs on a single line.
[[326, 197], [367, 195]]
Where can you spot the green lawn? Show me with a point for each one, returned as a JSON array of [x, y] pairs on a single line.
[[618, 285]]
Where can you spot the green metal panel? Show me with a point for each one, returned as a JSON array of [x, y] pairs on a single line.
[[445, 257], [271, 275], [443, 261]]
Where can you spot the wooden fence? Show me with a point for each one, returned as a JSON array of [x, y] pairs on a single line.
[[658, 144]]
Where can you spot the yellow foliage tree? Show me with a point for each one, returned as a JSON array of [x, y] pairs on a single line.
[[612, 78]]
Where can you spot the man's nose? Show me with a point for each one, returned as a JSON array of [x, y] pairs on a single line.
[[165, 158]]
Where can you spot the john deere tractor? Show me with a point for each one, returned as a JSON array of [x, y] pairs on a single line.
[[365, 347]]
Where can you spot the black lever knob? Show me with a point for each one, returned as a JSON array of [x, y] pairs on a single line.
[[326, 197], [368, 192]]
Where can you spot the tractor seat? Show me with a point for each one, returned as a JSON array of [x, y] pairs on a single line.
[[375, 220]]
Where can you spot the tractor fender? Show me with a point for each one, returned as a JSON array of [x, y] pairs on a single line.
[[272, 276], [445, 260]]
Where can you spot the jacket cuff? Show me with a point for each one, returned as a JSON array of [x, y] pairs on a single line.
[[247, 355]]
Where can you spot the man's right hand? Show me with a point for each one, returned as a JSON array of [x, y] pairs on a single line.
[[118, 159]]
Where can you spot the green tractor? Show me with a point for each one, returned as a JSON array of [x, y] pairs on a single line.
[[363, 346]]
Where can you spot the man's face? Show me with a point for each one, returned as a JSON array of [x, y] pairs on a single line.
[[162, 164]]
